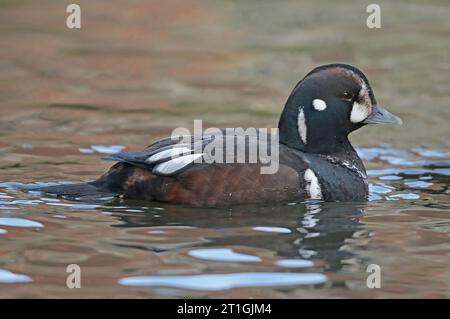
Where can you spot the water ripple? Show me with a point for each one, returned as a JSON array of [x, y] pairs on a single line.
[[215, 282], [280, 230], [222, 254], [8, 277], [102, 149], [19, 222], [294, 263]]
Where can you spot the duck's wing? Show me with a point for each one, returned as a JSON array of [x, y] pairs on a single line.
[[209, 171], [168, 157], [204, 171], [161, 150]]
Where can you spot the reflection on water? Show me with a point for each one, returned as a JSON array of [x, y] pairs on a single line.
[[222, 254], [19, 222], [9, 277], [226, 281], [102, 149], [131, 248]]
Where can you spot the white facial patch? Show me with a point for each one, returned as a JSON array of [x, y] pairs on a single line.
[[301, 123], [312, 185], [359, 112], [319, 105]]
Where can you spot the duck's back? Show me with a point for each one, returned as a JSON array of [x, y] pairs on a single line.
[[207, 183], [300, 176]]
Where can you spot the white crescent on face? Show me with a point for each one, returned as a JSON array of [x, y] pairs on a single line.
[[361, 110]]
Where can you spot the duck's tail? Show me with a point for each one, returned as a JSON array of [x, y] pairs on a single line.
[[77, 191]]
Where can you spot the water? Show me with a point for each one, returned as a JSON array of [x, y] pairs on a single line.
[[70, 97], [135, 249]]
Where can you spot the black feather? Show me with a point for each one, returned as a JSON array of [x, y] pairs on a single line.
[[77, 191]]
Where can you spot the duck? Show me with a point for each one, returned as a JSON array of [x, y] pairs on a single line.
[[315, 160]]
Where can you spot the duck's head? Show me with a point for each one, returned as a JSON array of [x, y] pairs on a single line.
[[328, 104]]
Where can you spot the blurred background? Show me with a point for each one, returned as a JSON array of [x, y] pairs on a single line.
[[137, 69]]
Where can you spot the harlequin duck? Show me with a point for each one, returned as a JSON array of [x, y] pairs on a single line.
[[316, 159]]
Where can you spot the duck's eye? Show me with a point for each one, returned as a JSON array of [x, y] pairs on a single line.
[[347, 95]]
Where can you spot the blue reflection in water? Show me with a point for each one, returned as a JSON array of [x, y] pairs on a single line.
[[104, 149], [417, 184], [391, 178], [19, 222], [405, 196], [294, 263], [74, 205], [280, 230], [226, 281], [8, 277], [222, 254]]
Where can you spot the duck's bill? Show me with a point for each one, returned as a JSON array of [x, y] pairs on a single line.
[[381, 116]]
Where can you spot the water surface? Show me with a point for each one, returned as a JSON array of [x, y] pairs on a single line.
[[140, 249], [69, 97]]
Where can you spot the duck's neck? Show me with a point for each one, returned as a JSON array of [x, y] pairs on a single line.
[[319, 140]]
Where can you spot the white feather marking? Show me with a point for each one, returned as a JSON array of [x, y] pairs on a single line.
[[319, 105], [312, 185], [363, 90], [348, 165], [176, 164], [301, 123], [172, 152], [359, 112]]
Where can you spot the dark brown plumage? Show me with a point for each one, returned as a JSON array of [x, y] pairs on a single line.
[[316, 159]]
